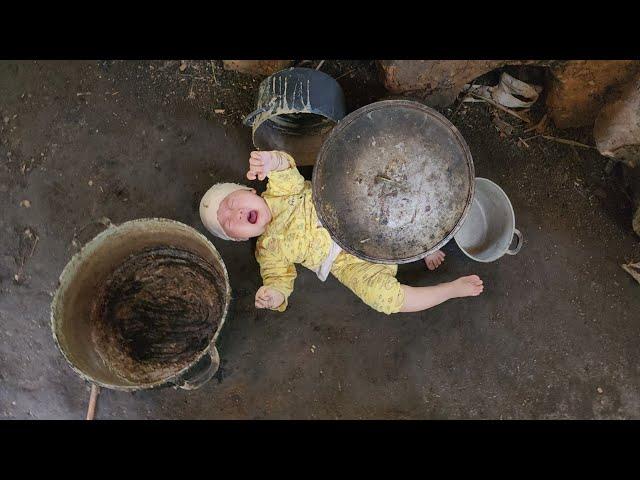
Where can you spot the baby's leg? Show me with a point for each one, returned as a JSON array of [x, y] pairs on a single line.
[[378, 287], [417, 299], [434, 260]]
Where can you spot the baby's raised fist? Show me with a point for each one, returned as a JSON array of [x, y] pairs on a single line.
[[260, 164]]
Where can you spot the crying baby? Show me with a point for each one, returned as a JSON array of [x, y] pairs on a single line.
[[284, 218]]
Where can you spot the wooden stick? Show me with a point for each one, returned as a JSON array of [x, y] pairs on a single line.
[[23, 259], [497, 105], [347, 73], [91, 411], [320, 65], [567, 142], [561, 140], [213, 72]]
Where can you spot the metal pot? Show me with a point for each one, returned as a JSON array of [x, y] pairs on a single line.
[[296, 109], [490, 227], [85, 274]]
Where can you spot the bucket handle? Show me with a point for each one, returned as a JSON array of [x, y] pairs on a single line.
[[202, 372], [517, 234], [249, 119]]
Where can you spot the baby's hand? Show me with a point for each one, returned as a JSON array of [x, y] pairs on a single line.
[[261, 163], [267, 297]]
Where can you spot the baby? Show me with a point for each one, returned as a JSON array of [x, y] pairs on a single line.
[[284, 218]]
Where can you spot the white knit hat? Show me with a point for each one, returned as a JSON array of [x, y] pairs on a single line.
[[211, 202]]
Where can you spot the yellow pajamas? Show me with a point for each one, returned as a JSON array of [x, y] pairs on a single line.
[[374, 283], [294, 236]]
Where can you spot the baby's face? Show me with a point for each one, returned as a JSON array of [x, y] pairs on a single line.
[[243, 214]]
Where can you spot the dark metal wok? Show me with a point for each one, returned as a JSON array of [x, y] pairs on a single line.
[[393, 182]]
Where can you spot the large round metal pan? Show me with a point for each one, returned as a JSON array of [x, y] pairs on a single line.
[[393, 182]]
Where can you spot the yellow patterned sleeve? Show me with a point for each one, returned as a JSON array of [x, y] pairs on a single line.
[[285, 182], [276, 272]]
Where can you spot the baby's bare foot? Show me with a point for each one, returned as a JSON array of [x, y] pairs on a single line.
[[434, 260], [470, 286]]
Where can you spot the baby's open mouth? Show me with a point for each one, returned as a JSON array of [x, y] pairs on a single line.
[[252, 216]]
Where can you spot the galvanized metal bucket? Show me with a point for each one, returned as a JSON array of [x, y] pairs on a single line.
[[490, 227], [85, 274]]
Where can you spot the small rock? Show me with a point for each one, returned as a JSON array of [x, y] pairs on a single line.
[[219, 110], [600, 391], [183, 66], [25, 204], [91, 183]]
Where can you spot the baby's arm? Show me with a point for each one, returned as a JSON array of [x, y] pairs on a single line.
[[278, 276]]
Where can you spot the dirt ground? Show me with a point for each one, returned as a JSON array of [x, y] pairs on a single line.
[[555, 335]]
